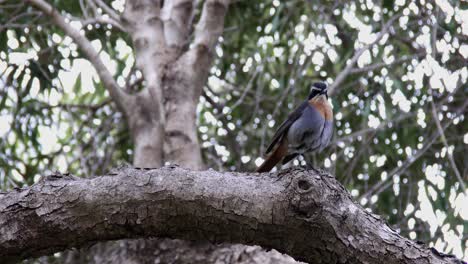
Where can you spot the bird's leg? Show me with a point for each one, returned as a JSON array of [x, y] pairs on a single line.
[[309, 165]]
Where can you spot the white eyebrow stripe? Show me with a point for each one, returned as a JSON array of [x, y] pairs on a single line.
[[315, 88]]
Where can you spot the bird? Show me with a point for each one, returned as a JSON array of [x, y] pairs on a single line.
[[308, 128]]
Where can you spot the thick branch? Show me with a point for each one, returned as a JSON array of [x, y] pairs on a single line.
[[308, 216], [211, 24], [118, 96], [207, 32], [177, 16]]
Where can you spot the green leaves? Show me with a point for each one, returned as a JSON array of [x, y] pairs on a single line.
[[77, 85]]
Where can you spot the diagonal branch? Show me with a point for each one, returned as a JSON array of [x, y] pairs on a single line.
[[435, 116], [117, 95], [177, 16], [309, 216], [349, 67], [111, 12], [207, 32], [377, 66], [383, 185], [211, 24]]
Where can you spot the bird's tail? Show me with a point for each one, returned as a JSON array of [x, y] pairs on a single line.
[[275, 157]]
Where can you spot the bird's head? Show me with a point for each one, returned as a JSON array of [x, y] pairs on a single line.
[[318, 88]]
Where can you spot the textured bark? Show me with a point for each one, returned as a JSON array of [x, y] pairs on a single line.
[[178, 251], [175, 73], [308, 216]]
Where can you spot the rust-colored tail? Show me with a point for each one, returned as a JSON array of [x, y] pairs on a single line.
[[276, 156]]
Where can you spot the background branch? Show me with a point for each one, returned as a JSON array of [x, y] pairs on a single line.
[[349, 67], [118, 96]]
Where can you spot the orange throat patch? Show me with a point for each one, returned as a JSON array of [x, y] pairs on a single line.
[[323, 106]]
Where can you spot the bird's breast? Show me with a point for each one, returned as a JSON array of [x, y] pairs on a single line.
[[305, 131], [321, 104]]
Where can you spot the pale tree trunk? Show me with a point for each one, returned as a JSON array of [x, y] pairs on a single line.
[[163, 118]]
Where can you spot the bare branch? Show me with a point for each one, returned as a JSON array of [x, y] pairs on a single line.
[[103, 20], [177, 16], [306, 215], [435, 116], [383, 185], [377, 66], [34, 16], [118, 96], [211, 24], [382, 126], [84, 9], [110, 11], [434, 111], [207, 32], [349, 67]]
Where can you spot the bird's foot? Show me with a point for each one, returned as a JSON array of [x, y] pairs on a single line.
[[310, 167]]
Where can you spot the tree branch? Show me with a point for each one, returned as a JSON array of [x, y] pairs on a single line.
[[379, 65], [308, 216], [384, 184], [117, 95], [211, 24], [110, 11], [103, 20], [177, 16], [349, 67], [435, 116], [207, 32]]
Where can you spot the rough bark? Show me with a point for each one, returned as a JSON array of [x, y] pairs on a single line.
[[308, 216], [175, 73], [178, 252]]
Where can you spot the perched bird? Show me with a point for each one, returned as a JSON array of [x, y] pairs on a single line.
[[308, 128]]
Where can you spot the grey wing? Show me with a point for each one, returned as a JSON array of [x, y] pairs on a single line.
[[326, 134], [283, 128], [305, 133]]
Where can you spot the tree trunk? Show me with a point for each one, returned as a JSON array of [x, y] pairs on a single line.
[[306, 215], [162, 117]]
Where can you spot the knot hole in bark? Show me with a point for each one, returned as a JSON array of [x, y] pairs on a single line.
[[141, 43], [303, 185]]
